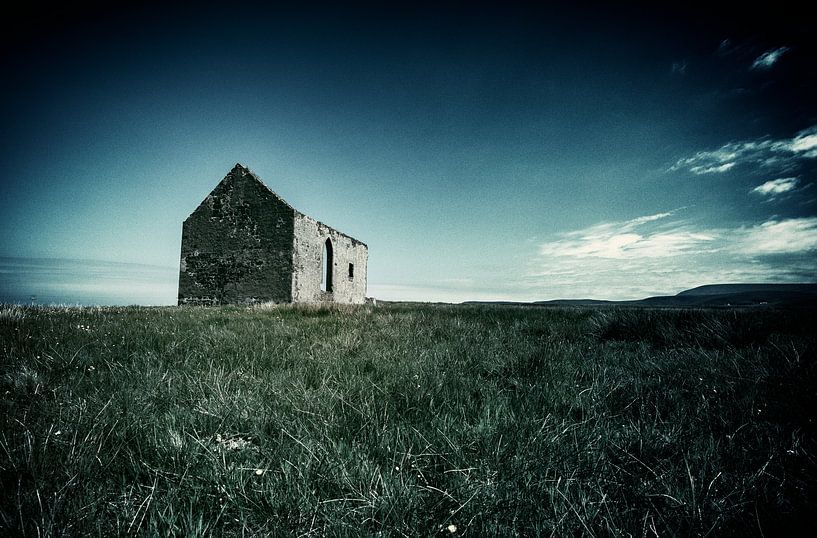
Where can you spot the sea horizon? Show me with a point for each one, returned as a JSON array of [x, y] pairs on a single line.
[[64, 281]]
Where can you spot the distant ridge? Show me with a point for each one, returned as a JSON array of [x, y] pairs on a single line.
[[711, 295], [721, 289]]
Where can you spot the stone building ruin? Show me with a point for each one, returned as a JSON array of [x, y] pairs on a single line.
[[244, 245]]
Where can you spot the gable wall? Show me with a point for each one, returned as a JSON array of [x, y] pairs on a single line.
[[237, 246]]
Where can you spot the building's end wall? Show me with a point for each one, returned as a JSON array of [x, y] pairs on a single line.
[[237, 246], [310, 237]]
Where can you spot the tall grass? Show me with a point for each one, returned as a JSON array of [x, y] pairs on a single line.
[[405, 420]]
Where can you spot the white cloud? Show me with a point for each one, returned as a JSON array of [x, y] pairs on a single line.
[[665, 244], [649, 256], [767, 152], [805, 142], [712, 169], [650, 218], [769, 58], [627, 246], [787, 236], [776, 186], [619, 241]]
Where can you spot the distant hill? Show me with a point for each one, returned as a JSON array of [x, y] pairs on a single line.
[[745, 298], [723, 289], [712, 295]]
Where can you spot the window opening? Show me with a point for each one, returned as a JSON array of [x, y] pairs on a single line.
[[327, 264]]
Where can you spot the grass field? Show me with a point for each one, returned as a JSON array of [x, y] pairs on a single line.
[[406, 420]]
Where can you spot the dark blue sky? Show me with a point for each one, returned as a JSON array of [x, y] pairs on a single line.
[[482, 153]]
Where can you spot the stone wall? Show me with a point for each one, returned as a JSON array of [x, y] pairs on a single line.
[[310, 237], [237, 246]]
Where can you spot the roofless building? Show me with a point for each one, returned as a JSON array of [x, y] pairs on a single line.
[[244, 245]]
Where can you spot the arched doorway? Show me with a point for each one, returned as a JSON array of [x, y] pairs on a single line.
[[327, 263]]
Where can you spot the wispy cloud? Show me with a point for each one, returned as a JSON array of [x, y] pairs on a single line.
[[658, 254], [786, 236], [729, 48], [766, 152], [625, 240], [679, 68], [769, 58], [714, 169], [805, 142], [776, 186], [650, 218], [726, 47]]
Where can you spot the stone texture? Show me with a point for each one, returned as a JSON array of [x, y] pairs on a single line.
[[310, 237], [245, 245]]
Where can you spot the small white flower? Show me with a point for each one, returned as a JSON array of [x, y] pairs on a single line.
[[452, 528], [259, 472]]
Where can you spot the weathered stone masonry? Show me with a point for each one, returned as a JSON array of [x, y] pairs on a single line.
[[246, 245]]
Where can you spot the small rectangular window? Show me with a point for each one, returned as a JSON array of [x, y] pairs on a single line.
[[351, 271]]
